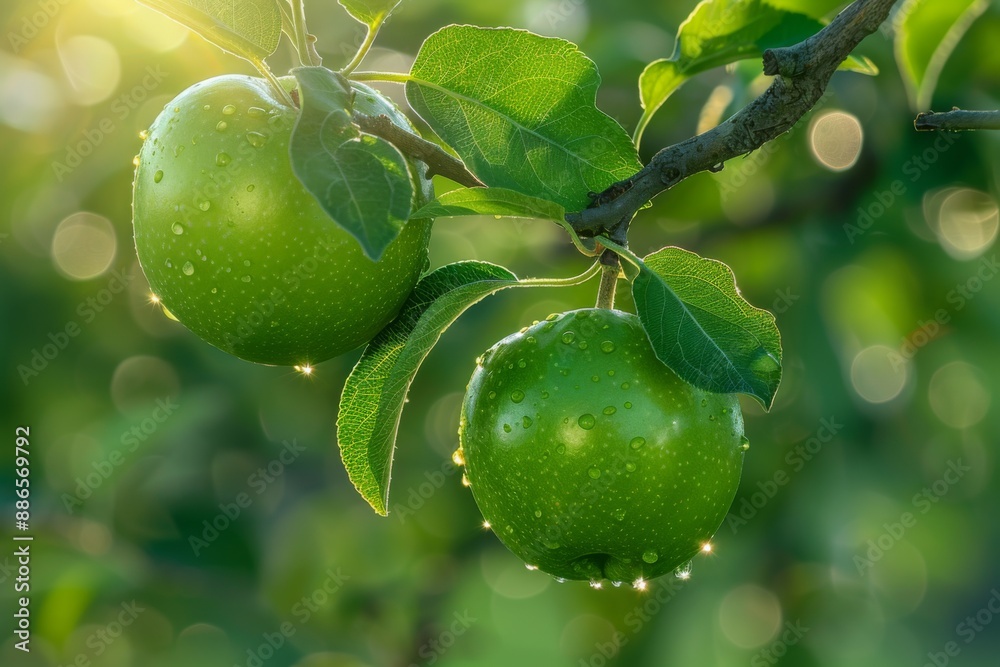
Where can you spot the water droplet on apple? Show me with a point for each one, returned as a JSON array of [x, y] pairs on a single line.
[[594, 472], [221, 126], [245, 279], [628, 405], [538, 514], [587, 421], [650, 556], [610, 410], [517, 396], [744, 443], [251, 187], [506, 428], [568, 337], [158, 176], [205, 205], [526, 422], [222, 159], [256, 139], [188, 268], [228, 110], [637, 442], [560, 449], [255, 112], [684, 571], [630, 466], [607, 347], [177, 228]]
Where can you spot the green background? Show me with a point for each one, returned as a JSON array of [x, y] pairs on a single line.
[[812, 544]]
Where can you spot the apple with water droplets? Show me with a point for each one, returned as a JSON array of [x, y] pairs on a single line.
[[238, 251], [589, 458]]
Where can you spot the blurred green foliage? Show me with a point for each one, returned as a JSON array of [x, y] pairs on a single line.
[[864, 532]]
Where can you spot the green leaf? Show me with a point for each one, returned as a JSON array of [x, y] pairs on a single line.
[[373, 398], [360, 180], [719, 32], [249, 29], [491, 201], [702, 328], [370, 12], [520, 110], [817, 9], [926, 36]]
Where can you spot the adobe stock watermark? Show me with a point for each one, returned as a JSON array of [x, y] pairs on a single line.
[[421, 493], [658, 594], [922, 502], [103, 637], [796, 459], [130, 441], [33, 22], [777, 649], [967, 630], [121, 108], [433, 649], [883, 200], [60, 339], [303, 611], [257, 483], [957, 299]]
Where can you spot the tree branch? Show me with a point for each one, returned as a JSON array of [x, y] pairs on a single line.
[[803, 72], [957, 120], [436, 159]]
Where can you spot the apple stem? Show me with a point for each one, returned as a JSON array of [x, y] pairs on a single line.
[[610, 270]]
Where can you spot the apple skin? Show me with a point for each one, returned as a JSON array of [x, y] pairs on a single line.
[[235, 247], [591, 459]]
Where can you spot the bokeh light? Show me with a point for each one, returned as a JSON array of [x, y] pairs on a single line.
[[750, 615], [836, 139], [966, 221], [958, 395], [879, 374], [84, 246]]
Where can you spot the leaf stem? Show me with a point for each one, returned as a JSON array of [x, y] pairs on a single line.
[[564, 282], [365, 46], [304, 42], [386, 77], [275, 84]]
